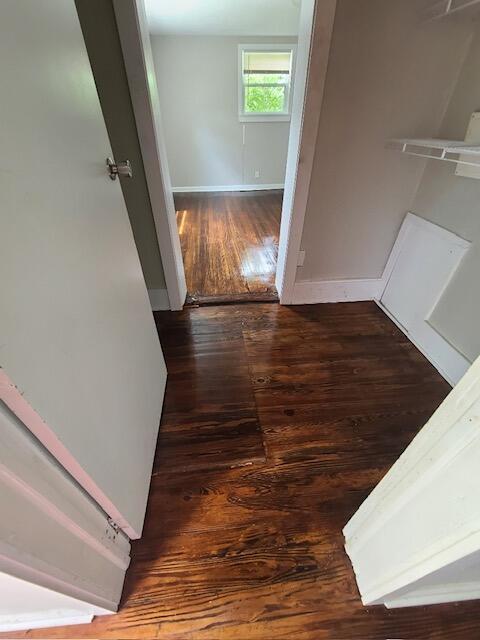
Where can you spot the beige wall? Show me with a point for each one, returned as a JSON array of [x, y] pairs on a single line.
[[389, 76], [197, 78], [101, 36], [454, 203]]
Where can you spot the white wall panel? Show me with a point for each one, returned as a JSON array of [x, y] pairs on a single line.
[[423, 261]]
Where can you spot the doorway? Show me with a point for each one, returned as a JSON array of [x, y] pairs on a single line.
[[312, 53], [225, 79]]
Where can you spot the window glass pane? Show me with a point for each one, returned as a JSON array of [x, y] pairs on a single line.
[[264, 78], [260, 99]]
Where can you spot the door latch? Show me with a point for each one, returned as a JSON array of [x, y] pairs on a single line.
[[119, 169]]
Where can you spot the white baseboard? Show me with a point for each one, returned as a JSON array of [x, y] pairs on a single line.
[[27, 622], [337, 291], [159, 299], [449, 362], [229, 187], [439, 594]]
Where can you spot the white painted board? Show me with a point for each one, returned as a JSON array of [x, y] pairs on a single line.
[[422, 263], [416, 539], [27, 606], [80, 358], [425, 263], [53, 538]]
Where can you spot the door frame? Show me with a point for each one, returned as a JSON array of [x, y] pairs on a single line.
[[313, 50], [137, 53]]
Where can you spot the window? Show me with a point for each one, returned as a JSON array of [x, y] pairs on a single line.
[[265, 82]]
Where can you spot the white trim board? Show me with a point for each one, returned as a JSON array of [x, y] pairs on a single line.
[[228, 187], [78, 563], [449, 362], [137, 54], [424, 269], [159, 299], [391, 548], [440, 594], [25, 623], [313, 51], [421, 223], [325, 291]]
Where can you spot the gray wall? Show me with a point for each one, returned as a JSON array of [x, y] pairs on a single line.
[[388, 76], [453, 202], [197, 79], [101, 37]]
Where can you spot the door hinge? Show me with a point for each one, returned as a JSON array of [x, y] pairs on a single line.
[[113, 524]]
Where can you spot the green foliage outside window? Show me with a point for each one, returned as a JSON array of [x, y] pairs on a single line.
[[265, 93]]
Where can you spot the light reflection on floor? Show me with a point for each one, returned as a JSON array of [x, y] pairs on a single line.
[[260, 262], [229, 242]]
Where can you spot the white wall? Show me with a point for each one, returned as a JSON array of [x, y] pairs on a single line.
[[197, 78], [453, 202], [389, 76], [223, 17]]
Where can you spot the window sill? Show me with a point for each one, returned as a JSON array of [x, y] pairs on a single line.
[[265, 118]]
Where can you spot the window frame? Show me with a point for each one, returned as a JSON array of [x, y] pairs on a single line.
[[285, 116]]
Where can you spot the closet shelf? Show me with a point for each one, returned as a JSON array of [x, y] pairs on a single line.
[[465, 153], [445, 8]]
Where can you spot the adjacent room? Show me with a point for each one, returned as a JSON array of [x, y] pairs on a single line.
[[225, 74]]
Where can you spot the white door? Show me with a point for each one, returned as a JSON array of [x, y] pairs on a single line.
[[80, 359], [416, 539]]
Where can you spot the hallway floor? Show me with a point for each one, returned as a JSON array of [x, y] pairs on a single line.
[[229, 244], [278, 422]]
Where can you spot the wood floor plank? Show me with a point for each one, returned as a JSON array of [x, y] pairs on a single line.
[[335, 392], [229, 244], [210, 418]]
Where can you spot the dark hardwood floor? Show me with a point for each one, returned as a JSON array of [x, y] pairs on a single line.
[[278, 423], [229, 244]]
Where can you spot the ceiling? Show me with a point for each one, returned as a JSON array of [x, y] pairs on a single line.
[[224, 17]]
